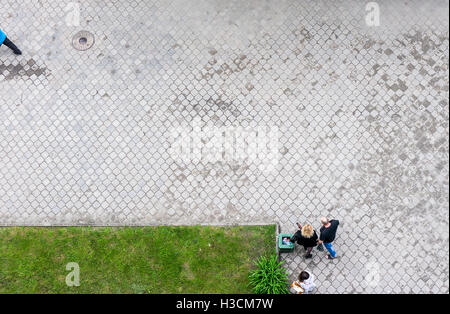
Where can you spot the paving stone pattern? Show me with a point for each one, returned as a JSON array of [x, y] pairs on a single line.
[[86, 137]]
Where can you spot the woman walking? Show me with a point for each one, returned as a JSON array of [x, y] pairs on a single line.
[[4, 40], [307, 237]]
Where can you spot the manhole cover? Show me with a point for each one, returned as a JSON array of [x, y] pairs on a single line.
[[83, 40]]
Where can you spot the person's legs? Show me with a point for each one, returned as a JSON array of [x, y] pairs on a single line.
[[330, 249], [308, 252], [8, 43]]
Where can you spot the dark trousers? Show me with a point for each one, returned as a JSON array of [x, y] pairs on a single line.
[[8, 43]]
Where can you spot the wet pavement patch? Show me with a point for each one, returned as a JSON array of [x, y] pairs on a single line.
[[11, 71]]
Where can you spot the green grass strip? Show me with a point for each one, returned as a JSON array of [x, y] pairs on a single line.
[[194, 259]]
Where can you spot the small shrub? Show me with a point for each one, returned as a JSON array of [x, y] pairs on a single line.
[[270, 277]]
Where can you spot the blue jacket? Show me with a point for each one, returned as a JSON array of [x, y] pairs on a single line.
[[2, 36]]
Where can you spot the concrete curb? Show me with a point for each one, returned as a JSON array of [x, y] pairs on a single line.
[[143, 225], [277, 232]]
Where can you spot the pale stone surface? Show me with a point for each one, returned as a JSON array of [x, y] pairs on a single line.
[[362, 114]]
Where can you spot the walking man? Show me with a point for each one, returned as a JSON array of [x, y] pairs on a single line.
[[8, 43], [327, 235]]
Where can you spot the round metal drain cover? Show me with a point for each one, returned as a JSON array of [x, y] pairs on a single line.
[[83, 40]]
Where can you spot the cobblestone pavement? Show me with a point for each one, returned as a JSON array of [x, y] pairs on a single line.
[[351, 120]]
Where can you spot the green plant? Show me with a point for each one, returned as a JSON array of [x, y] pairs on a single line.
[[270, 277]]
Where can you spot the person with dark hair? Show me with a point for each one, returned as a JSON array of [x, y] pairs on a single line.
[[307, 237], [4, 40], [304, 284]]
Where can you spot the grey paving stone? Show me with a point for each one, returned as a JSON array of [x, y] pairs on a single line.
[[362, 115]]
